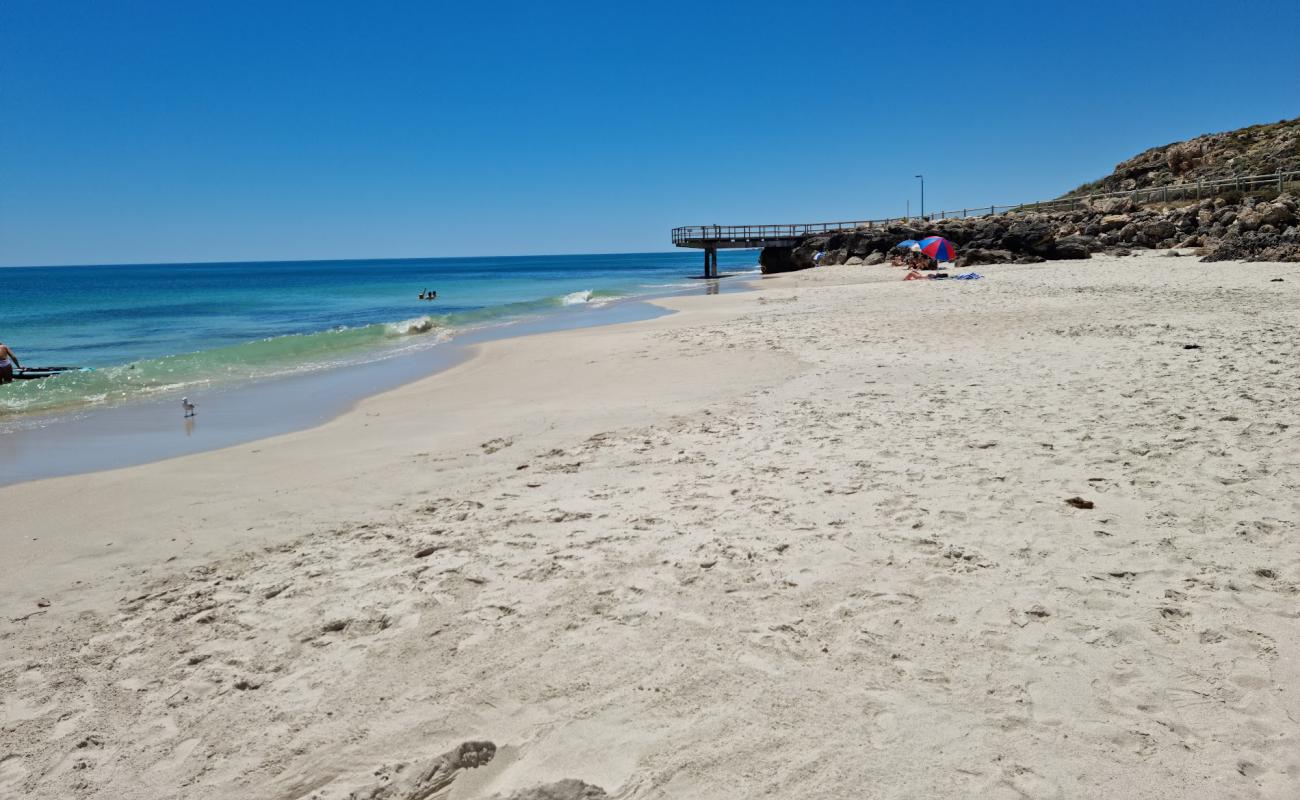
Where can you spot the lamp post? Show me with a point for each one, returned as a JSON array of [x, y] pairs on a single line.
[[922, 177]]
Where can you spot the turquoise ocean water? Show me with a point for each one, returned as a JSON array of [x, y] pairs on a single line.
[[154, 329]]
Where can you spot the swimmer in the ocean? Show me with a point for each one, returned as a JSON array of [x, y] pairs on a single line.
[[8, 360]]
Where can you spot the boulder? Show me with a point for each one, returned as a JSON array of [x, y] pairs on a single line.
[[1074, 247], [1032, 236], [1113, 222], [874, 259], [832, 258], [853, 261], [784, 259], [988, 228], [972, 256], [840, 241], [1277, 214], [864, 242], [1159, 229], [1248, 220], [1113, 205]]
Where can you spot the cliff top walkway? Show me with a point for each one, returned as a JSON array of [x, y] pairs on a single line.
[[711, 238]]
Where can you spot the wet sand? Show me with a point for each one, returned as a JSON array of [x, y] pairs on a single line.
[[810, 541]]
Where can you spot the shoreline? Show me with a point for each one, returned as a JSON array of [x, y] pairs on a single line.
[[228, 325], [834, 511], [145, 430], [491, 361]]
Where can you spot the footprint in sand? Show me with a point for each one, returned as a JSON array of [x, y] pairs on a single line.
[[173, 761], [430, 781], [884, 730], [567, 789], [433, 781], [1030, 784], [12, 773]]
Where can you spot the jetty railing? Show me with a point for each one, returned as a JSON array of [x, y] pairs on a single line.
[[695, 235]]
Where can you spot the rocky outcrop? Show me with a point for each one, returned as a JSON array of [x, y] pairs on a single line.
[[1259, 245], [1264, 226], [785, 259], [1257, 150], [1252, 230]]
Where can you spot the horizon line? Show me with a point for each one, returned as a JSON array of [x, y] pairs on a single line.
[[216, 262]]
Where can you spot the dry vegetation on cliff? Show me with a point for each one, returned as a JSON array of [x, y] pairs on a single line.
[[1255, 150]]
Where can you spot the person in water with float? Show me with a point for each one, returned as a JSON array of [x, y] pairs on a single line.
[[8, 361]]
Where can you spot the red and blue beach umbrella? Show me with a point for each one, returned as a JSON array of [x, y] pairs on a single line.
[[938, 248]]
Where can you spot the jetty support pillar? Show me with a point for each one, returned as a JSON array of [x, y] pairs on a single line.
[[710, 262]]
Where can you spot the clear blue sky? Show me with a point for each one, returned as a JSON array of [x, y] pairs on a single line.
[[227, 130]]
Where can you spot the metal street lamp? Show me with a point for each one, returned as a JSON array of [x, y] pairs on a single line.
[[922, 177]]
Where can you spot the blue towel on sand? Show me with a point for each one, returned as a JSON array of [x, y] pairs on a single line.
[[969, 276]]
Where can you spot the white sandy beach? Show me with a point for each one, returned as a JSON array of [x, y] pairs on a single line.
[[810, 541]]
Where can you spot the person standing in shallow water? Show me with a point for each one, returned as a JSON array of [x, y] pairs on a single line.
[[8, 360]]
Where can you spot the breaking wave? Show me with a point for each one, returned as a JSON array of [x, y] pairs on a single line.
[[278, 355], [275, 356]]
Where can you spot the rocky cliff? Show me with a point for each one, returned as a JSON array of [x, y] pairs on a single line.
[[1257, 150], [1260, 226]]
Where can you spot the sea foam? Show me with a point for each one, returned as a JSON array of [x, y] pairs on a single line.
[[576, 298]]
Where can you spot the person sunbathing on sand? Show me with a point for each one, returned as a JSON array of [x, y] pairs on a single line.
[[8, 360]]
